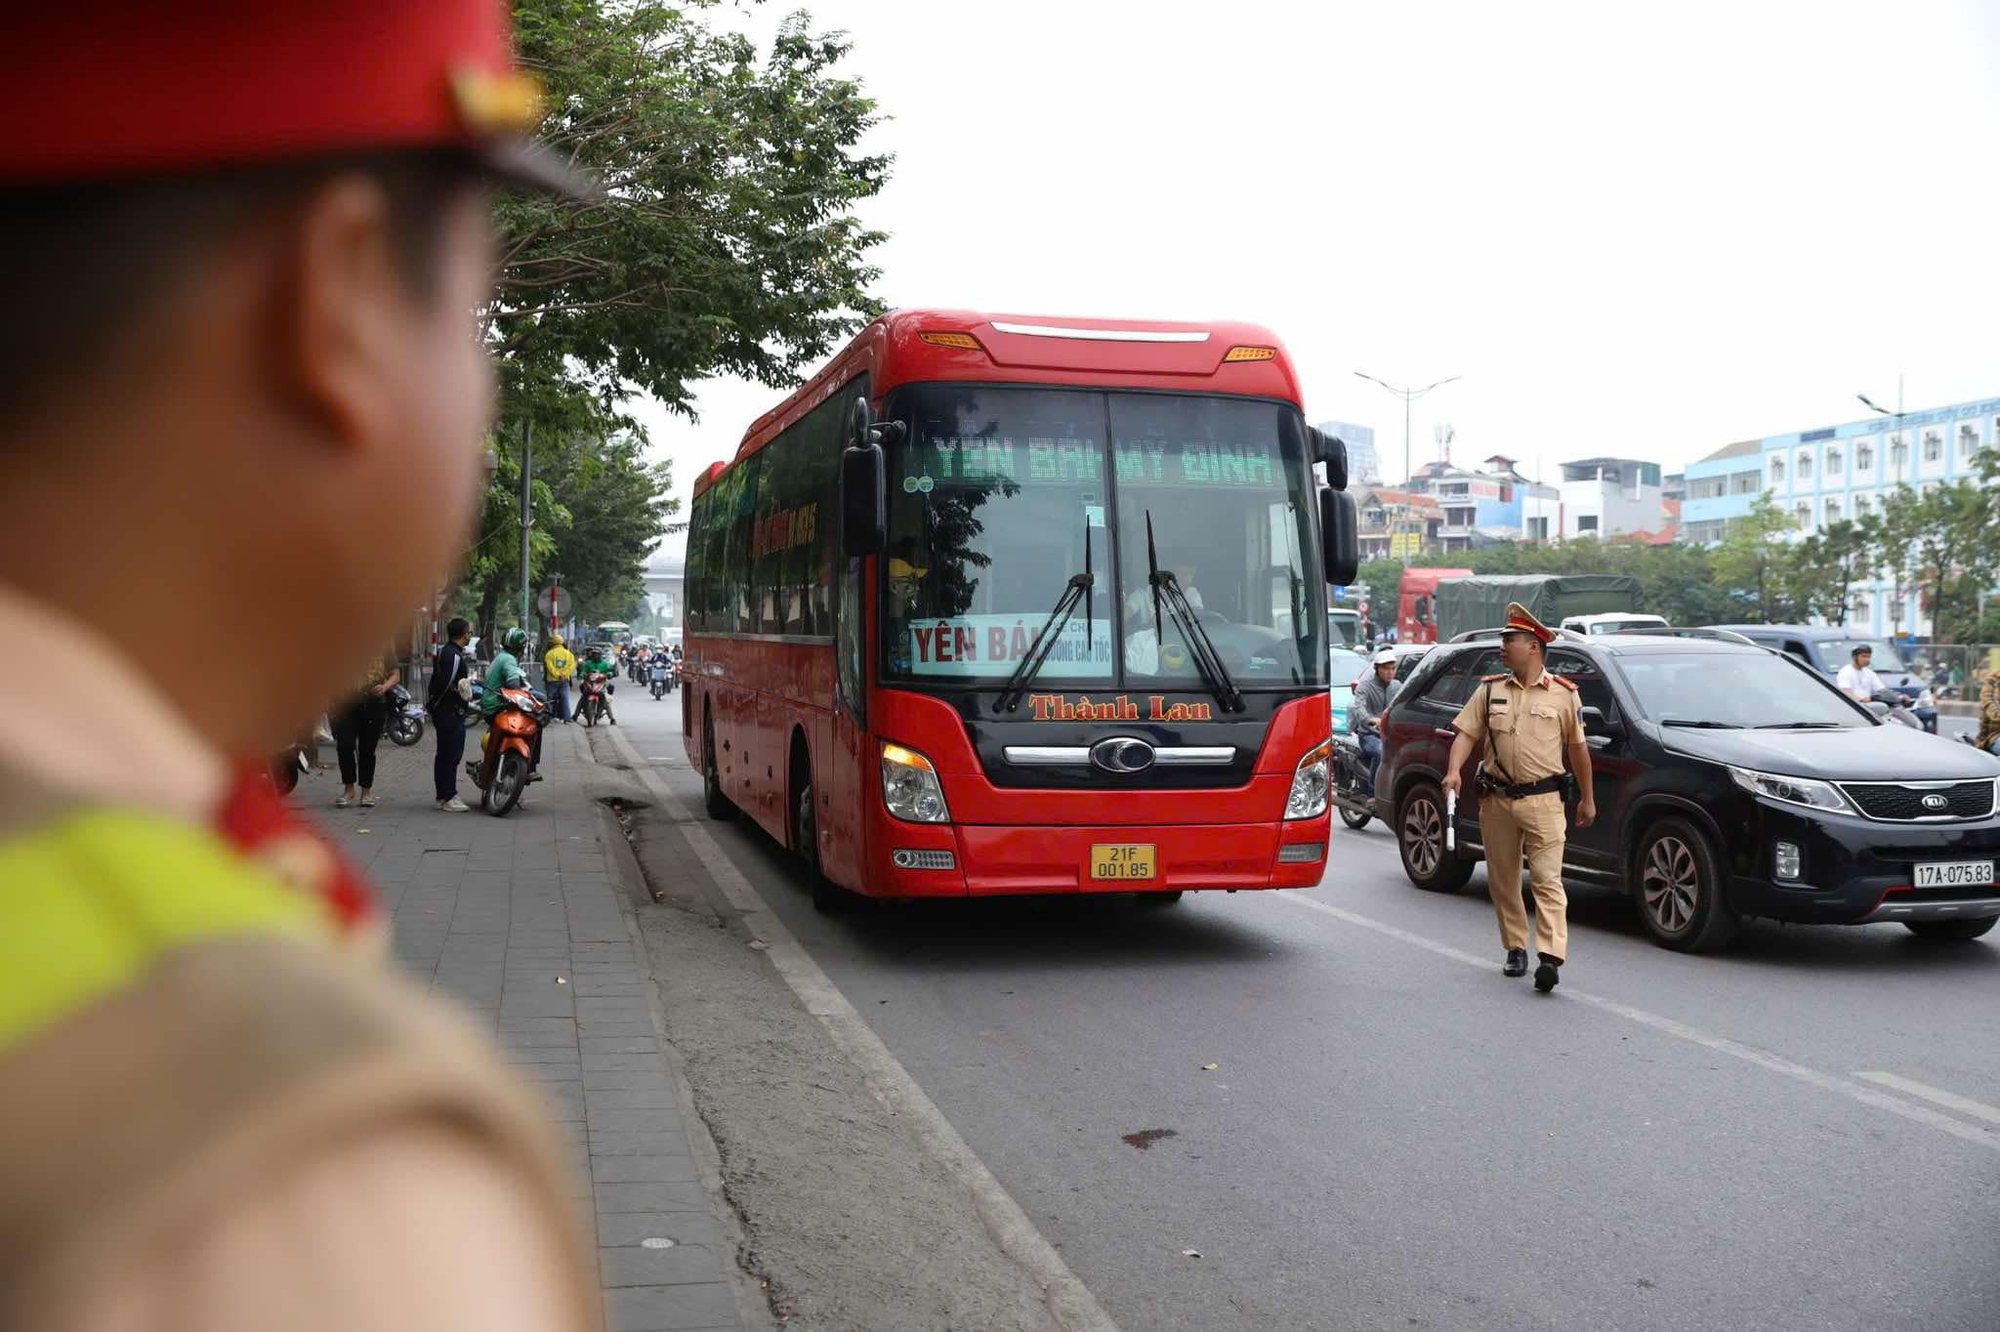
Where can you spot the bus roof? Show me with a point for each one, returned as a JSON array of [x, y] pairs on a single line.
[[909, 346]]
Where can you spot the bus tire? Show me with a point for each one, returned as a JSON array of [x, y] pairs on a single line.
[[712, 799]]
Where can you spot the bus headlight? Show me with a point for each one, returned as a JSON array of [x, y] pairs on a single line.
[[1310, 782], [910, 786]]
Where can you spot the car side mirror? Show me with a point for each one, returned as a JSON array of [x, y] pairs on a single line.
[[1595, 724], [1339, 536]]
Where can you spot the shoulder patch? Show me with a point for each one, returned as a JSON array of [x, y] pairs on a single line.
[[1564, 681], [1488, 679]]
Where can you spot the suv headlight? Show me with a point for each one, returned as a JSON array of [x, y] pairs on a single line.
[[1310, 782], [1791, 790], [910, 786]]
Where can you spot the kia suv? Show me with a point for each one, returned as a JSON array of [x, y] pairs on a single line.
[[1732, 781]]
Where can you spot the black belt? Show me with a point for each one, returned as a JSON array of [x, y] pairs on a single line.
[[1518, 790]]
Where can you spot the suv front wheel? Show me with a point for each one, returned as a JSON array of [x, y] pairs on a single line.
[[1677, 882], [1420, 838]]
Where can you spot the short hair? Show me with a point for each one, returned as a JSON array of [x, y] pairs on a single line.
[[457, 625], [105, 254]]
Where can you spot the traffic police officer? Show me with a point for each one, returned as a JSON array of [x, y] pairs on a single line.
[[246, 242], [1528, 718]]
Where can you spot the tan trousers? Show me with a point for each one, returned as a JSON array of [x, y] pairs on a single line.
[[1534, 825]]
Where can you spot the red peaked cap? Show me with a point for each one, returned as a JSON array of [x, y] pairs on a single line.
[[1519, 618], [121, 89]]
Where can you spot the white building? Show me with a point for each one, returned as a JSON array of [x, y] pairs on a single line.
[[1606, 497]]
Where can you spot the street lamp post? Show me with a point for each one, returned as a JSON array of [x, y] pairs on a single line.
[[1408, 396], [1898, 594]]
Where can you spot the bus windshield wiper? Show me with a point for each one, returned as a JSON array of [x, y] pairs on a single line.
[[1200, 646], [1045, 639]]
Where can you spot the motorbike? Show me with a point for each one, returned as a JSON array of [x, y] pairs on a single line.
[[1351, 794], [1895, 707], [405, 723], [290, 764], [661, 678], [594, 700], [508, 763]]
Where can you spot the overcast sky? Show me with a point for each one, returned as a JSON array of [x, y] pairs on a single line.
[[1643, 232]]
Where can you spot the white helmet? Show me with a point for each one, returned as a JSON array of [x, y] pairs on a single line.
[[1386, 657]]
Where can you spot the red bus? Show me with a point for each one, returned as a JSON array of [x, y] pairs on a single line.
[[1010, 604]]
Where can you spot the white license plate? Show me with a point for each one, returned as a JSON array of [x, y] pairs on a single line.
[[1955, 874]]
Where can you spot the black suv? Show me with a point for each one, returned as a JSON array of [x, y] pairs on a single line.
[[1731, 781]]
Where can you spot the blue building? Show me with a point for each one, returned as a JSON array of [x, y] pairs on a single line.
[[1838, 473], [1362, 462]]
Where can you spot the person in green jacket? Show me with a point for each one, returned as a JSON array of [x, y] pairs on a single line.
[[505, 672]]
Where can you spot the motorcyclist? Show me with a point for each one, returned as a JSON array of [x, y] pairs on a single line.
[[599, 662], [1856, 680], [1372, 696], [506, 673], [1988, 738]]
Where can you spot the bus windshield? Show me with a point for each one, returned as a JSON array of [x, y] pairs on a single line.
[[1000, 496]]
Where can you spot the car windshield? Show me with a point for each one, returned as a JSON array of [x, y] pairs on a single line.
[[1838, 652], [1346, 667], [1002, 495], [1732, 689]]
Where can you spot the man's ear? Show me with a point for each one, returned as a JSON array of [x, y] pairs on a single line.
[[337, 330]]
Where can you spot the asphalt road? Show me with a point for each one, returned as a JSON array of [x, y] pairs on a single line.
[[1803, 1131]]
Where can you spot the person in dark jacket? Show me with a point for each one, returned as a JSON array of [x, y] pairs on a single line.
[[453, 664]]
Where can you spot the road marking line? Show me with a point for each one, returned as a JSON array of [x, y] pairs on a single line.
[[1682, 1031], [1965, 1105], [1069, 1300]]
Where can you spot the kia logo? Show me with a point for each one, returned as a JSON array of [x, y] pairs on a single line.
[[1936, 802], [1122, 754]]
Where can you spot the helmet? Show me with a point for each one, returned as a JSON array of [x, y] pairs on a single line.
[[555, 640], [1386, 657], [514, 639]]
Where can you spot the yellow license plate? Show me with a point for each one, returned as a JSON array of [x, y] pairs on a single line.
[[1121, 860]]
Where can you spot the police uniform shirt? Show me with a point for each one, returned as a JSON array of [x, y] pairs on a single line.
[[1530, 725]]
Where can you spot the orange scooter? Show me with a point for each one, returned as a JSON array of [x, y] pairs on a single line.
[[513, 744]]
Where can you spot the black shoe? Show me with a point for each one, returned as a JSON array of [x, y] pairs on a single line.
[[1546, 977], [1516, 964]]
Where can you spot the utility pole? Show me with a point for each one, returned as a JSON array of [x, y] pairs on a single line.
[[1408, 396], [527, 514]]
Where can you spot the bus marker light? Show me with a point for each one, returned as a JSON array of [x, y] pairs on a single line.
[[1251, 354], [963, 341]]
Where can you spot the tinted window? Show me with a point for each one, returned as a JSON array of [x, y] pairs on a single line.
[[1734, 689], [691, 594], [1593, 690]]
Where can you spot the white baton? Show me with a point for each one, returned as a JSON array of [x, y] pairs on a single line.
[[1450, 818]]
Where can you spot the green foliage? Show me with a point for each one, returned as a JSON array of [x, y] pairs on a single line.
[[723, 242], [1753, 563], [1941, 543]]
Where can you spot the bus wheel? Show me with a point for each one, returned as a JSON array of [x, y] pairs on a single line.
[[712, 799], [828, 897]]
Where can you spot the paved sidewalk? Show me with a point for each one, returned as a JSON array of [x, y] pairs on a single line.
[[520, 920]]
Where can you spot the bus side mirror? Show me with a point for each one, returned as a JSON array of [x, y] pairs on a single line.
[[1331, 450], [1339, 534], [864, 505]]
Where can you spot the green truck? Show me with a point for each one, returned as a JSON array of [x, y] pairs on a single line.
[[1480, 602]]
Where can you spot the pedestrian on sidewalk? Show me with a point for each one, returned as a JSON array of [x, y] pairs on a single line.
[[357, 730], [448, 708], [242, 336], [558, 665]]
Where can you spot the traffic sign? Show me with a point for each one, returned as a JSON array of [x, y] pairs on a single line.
[[550, 602]]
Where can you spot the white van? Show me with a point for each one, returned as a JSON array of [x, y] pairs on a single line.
[[1612, 622]]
